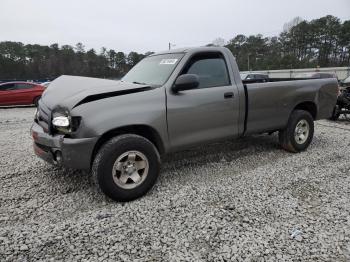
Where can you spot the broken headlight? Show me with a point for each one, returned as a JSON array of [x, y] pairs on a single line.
[[64, 123]]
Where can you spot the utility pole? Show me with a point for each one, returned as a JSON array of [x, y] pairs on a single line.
[[248, 61], [256, 58], [171, 45]]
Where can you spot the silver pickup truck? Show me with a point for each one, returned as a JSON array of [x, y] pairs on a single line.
[[168, 102]]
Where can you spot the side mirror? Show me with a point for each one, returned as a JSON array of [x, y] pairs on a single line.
[[186, 82]]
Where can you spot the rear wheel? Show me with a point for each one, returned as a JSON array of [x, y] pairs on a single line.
[[126, 167], [298, 134], [36, 101]]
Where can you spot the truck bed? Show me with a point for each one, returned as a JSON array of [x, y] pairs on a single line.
[[269, 103]]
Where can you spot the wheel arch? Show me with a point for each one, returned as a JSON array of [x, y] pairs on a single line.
[[142, 130], [309, 107]]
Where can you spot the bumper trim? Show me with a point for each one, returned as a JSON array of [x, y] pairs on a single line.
[[76, 152]]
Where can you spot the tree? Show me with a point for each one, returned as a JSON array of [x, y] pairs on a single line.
[[294, 22], [320, 42], [121, 63], [133, 58], [80, 48], [219, 42], [19, 61]]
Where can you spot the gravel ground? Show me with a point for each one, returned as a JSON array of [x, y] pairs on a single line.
[[239, 200]]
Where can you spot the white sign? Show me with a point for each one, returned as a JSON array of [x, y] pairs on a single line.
[[168, 62]]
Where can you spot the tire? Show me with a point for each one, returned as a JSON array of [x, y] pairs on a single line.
[[335, 113], [294, 141], [36, 101], [115, 169]]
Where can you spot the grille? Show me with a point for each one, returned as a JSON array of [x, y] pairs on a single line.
[[44, 117]]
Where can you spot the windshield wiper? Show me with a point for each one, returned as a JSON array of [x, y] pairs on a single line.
[[145, 84], [138, 83]]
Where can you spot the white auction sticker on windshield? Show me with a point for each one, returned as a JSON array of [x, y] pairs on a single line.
[[168, 62]]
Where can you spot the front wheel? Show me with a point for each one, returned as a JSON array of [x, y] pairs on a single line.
[[126, 167], [298, 134]]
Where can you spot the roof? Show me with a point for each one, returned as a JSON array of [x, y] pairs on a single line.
[[18, 82], [190, 49]]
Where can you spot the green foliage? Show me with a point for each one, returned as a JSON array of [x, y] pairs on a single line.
[[323, 42], [19, 61]]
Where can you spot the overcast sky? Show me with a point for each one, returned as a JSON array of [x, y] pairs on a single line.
[[148, 25]]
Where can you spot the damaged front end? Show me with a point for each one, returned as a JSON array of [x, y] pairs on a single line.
[[55, 130]]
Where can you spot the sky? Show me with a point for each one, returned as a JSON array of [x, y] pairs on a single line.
[[149, 25]]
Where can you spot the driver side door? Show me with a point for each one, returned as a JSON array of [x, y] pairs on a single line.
[[208, 112]]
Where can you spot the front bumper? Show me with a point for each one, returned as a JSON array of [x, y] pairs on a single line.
[[59, 150]]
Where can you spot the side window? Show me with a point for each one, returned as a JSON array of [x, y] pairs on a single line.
[[23, 86], [7, 87], [211, 70]]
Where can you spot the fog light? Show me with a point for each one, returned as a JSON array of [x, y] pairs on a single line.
[[58, 157]]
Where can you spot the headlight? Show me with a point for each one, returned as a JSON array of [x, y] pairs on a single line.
[[61, 121], [64, 123]]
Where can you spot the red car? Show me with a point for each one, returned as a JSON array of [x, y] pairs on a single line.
[[20, 93]]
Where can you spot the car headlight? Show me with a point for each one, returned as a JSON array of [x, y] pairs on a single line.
[[64, 123], [61, 121]]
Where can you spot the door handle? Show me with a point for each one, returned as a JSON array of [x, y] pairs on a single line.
[[228, 95]]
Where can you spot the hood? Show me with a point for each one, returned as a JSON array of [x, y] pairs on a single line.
[[72, 91]]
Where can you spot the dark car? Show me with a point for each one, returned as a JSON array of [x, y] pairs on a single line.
[[343, 102], [254, 77], [20, 93]]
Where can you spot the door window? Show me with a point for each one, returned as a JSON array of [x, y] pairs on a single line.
[[211, 70], [6, 87], [23, 86]]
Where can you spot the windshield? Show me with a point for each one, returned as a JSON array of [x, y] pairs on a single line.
[[153, 70]]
